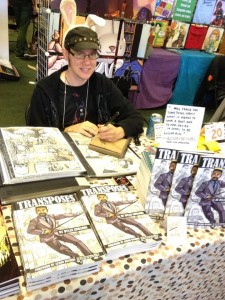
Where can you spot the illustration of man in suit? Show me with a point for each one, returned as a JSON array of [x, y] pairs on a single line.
[[185, 185], [163, 182], [208, 191], [108, 210], [45, 225]]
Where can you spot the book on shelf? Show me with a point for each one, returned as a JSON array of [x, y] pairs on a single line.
[[161, 180], [186, 169], [117, 148], [120, 220], [206, 205], [56, 240], [9, 270]]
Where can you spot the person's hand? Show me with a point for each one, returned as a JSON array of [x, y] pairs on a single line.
[[86, 128], [110, 133]]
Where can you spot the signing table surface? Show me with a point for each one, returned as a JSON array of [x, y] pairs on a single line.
[[195, 271]]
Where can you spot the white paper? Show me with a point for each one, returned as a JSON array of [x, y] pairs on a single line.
[[182, 127]]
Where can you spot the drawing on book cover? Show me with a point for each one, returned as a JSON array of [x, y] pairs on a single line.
[[36, 152], [186, 169], [161, 180], [54, 234], [164, 8], [177, 34], [106, 165], [206, 204], [118, 217]]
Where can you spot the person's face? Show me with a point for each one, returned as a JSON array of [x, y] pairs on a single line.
[[216, 175], [194, 171], [102, 198], [81, 69], [157, 28], [172, 167], [41, 211]]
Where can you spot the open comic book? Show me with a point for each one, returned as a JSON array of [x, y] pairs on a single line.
[[120, 220], [206, 204], [9, 270], [56, 240], [36, 153], [102, 165]]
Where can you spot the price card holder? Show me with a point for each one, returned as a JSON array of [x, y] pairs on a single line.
[[214, 131]]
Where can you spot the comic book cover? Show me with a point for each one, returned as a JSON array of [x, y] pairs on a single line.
[[120, 220], [160, 183], [206, 204], [36, 153], [158, 33], [212, 39], [184, 174], [56, 239], [177, 34], [9, 270]]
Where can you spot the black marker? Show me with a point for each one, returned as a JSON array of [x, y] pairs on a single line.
[[112, 118]]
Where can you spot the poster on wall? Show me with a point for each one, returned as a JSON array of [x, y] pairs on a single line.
[[158, 33], [164, 8], [204, 11], [218, 18], [183, 10], [177, 34], [212, 39]]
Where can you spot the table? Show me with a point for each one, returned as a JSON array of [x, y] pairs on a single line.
[[193, 66], [157, 80], [191, 272]]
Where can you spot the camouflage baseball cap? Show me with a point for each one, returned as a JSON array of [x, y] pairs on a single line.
[[81, 38]]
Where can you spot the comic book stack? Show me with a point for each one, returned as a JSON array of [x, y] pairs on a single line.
[[9, 270], [120, 220], [56, 240]]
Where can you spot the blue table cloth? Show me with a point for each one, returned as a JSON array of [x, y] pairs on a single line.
[[193, 66]]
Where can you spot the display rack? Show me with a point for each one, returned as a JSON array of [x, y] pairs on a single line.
[[43, 35]]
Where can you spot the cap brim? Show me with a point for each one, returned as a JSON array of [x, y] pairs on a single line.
[[84, 46]]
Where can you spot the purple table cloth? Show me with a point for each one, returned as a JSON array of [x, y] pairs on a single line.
[[158, 77]]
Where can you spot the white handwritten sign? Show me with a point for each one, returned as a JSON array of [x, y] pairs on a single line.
[[176, 230], [182, 125]]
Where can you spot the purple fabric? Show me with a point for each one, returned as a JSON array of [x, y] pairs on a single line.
[[158, 77]]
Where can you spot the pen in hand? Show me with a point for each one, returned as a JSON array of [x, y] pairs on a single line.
[[112, 118]]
